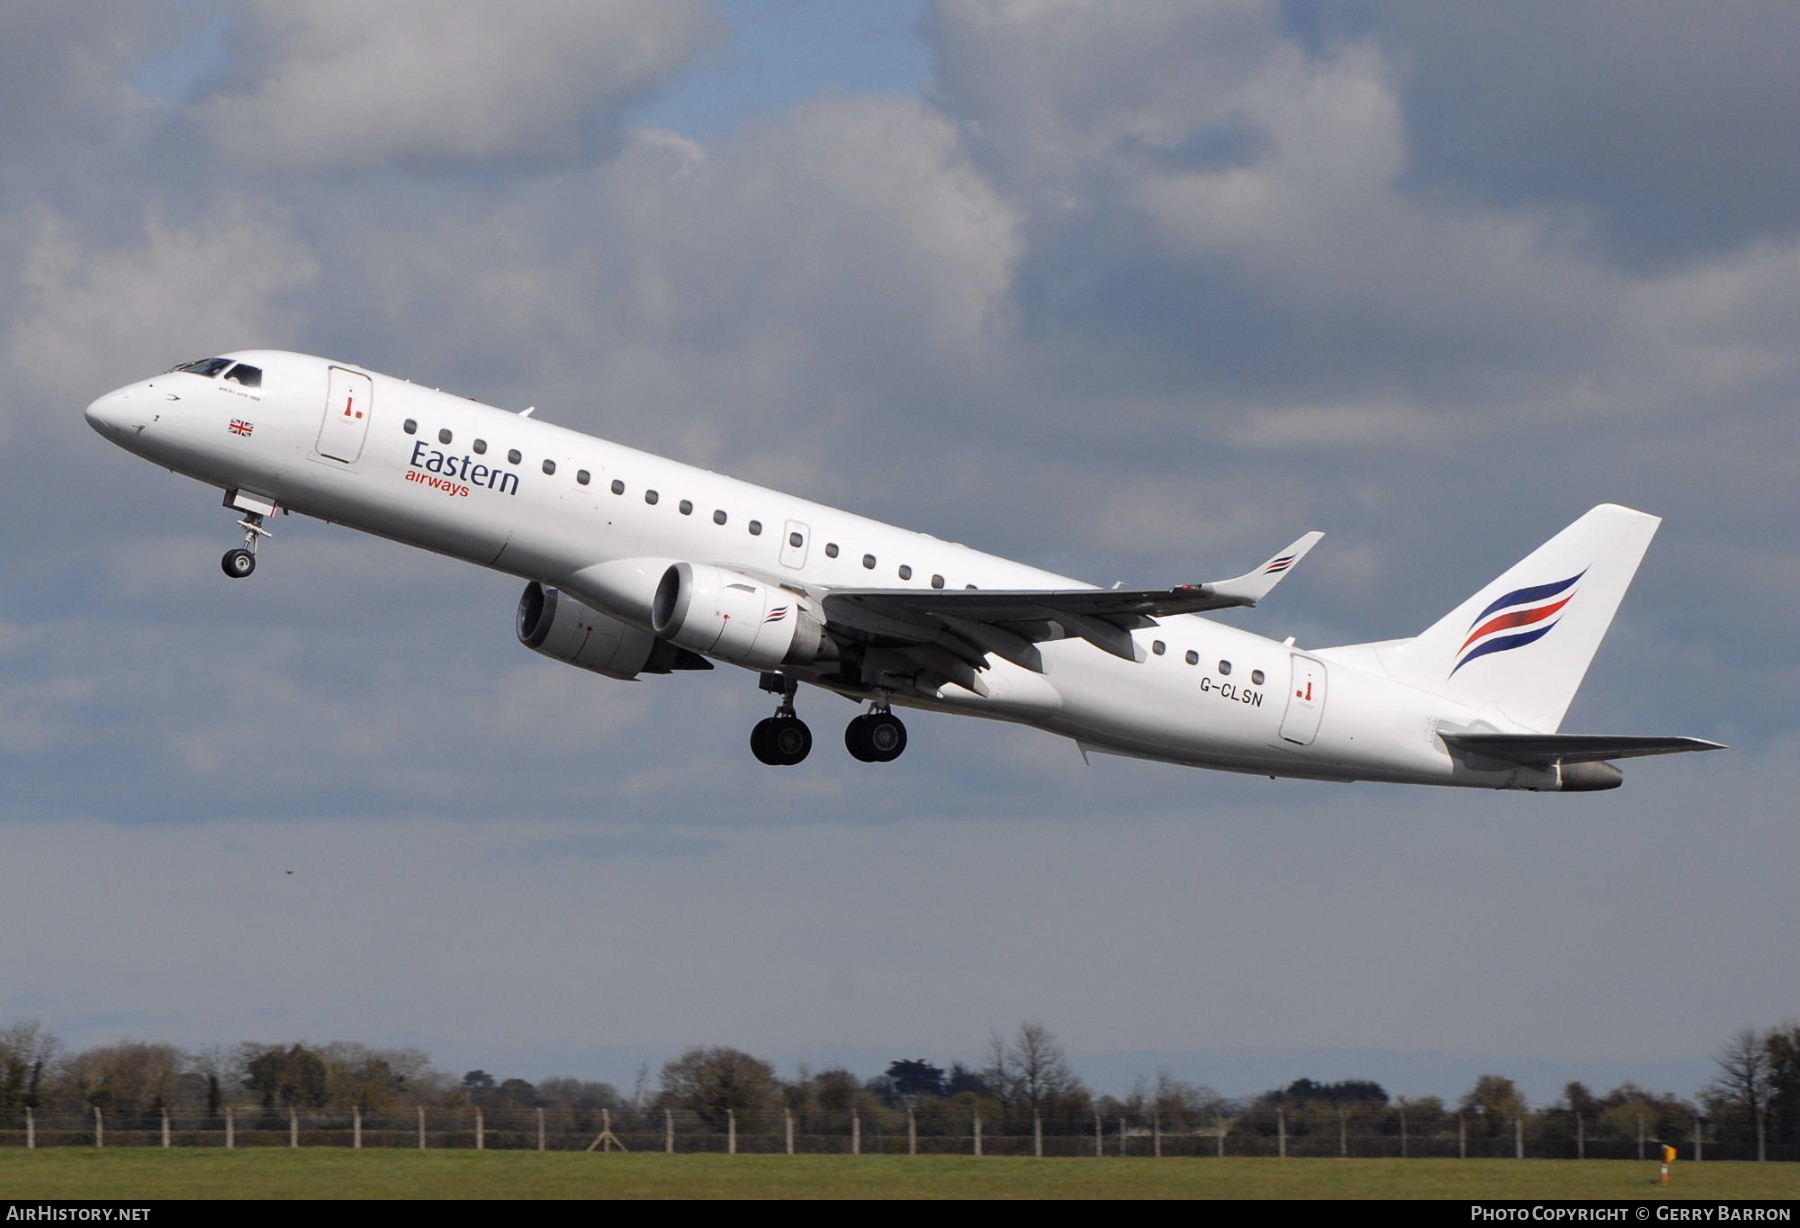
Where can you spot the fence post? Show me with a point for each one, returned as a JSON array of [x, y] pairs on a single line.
[[1580, 1138], [1124, 1143], [787, 1128], [1099, 1137], [421, 1127], [293, 1126], [855, 1133], [1462, 1137], [731, 1132], [1223, 1128], [1037, 1134], [1403, 1127], [1640, 1121], [1762, 1136], [99, 1128], [230, 1130], [30, 1129], [1156, 1135], [668, 1132], [912, 1132], [1343, 1138], [480, 1130], [1699, 1142], [165, 1129], [356, 1127], [1281, 1134], [977, 1131], [1519, 1137], [541, 1139]]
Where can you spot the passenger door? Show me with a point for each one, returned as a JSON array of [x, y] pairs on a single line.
[[348, 404]]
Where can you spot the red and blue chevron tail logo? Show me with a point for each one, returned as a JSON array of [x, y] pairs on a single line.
[[1523, 616]]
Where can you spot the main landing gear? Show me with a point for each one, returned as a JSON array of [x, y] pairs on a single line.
[[782, 740], [241, 562], [877, 736]]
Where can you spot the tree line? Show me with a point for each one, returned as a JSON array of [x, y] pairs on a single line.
[[1023, 1082]]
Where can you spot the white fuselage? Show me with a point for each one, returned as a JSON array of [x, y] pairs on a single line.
[[602, 521]]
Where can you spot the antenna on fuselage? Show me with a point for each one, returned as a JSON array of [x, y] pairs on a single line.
[[527, 411]]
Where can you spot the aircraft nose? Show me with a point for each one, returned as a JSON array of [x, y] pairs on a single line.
[[117, 413]]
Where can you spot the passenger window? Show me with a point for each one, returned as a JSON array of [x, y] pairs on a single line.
[[796, 541], [1193, 658], [443, 436], [937, 582], [245, 374], [514, 456], [831, 550], [905, 571], [618, 487], [1158, 647], [650, 496], [687, 507], [719, 517], [480, 446], [583, 477], [1224, 667], [410, 426], [1256, 676], [549, 466], [869, 561], [755, 528]]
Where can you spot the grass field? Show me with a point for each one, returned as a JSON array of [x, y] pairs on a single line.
[[322, 1173]]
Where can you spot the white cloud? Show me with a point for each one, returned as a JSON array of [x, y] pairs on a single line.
[[347, 84], [90, 312]]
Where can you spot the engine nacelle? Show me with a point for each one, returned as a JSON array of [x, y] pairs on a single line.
[[559, 626], [735, 617]]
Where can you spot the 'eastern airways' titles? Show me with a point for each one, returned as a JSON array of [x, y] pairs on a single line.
[[464, 468]]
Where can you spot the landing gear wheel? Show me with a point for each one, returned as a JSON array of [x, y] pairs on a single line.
[[781, 741], [875, 737], [759, 741], [238, 563]]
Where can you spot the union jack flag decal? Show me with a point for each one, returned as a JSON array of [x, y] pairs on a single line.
[[1523, 616], [237, 426]]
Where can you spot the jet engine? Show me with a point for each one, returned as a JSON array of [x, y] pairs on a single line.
[[559, 626], [737, 618]]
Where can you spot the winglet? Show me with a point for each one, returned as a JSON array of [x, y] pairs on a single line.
[[1254, 585]]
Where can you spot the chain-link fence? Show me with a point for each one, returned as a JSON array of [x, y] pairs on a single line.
[[934, 1130]]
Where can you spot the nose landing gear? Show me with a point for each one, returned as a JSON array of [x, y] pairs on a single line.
[[781, 740], [241, 562]]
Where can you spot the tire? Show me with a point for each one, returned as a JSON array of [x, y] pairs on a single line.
[[856, 738], [238, 563], [761, 744], [885, 736], [790, 740]]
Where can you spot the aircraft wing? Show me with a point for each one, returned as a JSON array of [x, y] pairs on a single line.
[[1547, 749], [972, 623]]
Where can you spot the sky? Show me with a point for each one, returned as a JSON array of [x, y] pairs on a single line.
[[1130, 292]]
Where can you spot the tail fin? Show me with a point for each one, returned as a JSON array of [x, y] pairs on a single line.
[[1521, 646]]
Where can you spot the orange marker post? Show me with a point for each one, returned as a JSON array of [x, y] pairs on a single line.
[[1668, 1158]]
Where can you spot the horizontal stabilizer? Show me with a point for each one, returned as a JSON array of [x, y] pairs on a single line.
[[1545, 750]]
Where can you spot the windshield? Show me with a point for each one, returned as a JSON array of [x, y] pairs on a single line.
[[206, 366]]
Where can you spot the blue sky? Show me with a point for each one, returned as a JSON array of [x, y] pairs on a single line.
[[1130, 292]]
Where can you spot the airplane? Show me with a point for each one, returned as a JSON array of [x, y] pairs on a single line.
[[640, 565]]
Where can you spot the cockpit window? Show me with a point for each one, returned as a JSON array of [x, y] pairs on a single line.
[[206, 366], [245, 374]]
